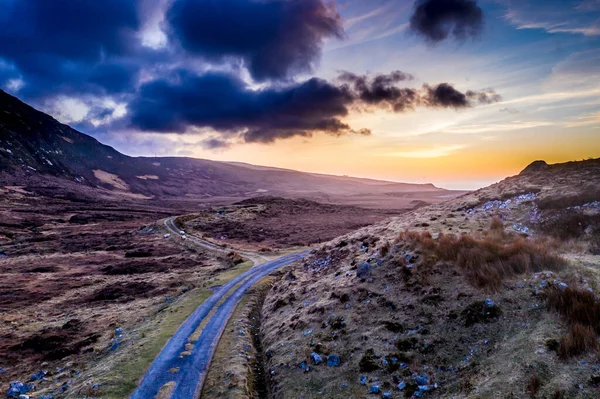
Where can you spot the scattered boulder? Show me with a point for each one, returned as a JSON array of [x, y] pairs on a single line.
[[17, 388], [37, 376], [374, 389], [333, 360], [364, 270], [316, 358]]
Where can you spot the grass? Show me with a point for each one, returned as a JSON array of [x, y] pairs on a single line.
[[126, 374], [227, 360], [581, 310], [490, 258]]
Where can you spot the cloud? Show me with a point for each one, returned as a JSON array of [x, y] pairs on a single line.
[[438, 20], [185, 102], [215, 143], [68, 47], [556, 16], [273, 39]]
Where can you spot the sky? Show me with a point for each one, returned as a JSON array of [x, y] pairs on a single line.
[[459, 93]]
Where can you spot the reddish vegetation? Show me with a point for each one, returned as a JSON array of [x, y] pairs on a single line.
[[582, 312], [489, 259], [280, 223]]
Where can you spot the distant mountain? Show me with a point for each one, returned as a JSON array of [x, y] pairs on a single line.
[[36, 149]]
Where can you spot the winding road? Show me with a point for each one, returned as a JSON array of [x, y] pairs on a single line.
[[189, 380]]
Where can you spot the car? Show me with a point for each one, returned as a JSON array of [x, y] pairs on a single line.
[[181, 232], [167, 235]]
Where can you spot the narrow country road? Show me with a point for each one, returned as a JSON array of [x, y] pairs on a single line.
[[173, 229], [193, 368]]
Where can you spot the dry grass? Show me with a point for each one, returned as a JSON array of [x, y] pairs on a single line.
[[579, 340], [582, 312], [534, 385], [489, 259]]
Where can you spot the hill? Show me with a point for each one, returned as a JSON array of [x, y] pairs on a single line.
[[451, 300], [47, 157]]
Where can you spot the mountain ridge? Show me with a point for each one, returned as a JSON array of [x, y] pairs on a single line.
[[34, 146]]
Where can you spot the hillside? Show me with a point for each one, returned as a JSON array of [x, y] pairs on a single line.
[[493, 294], [48, 157]]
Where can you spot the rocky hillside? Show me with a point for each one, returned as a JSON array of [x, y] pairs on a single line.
[[493, 294], [35, 150]]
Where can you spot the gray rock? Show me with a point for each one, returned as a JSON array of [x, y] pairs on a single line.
[[17, 388], [422, 380], [374, 389], [37, 376], [333, 360], [316, 358], [562, 286], [364, 270]]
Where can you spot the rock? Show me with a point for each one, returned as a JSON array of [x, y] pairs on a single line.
[[402, 385], [37, 376], [316, 358], [422, 380], [374, 389], [387, 395], [363, 380], [333, 360], [17, 388], [535, 166], [305, 367], [364, 270], [562, 286]]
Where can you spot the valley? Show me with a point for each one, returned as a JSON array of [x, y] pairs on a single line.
[[180, 278]]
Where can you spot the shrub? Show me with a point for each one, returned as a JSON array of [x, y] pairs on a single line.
[[487, 261], [579, 339], [534, 385], [496, 224], [582, 313], [576, 306]]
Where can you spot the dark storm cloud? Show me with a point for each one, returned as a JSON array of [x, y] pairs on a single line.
[[184, 102], [215, 144], [274, 39], [225, 103], [437, 20], [70, 47], [381, 90]]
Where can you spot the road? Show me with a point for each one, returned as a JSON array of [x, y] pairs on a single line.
[[174, 230], [193, 368]]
